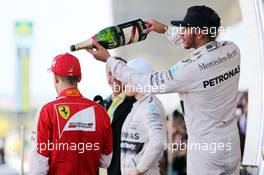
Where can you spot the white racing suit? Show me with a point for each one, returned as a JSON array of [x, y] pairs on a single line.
[[207, 84], [143, 137]]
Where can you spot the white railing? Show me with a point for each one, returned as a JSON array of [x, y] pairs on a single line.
[[259, 10]]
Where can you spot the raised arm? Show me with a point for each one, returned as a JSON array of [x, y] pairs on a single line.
[[178, 78]]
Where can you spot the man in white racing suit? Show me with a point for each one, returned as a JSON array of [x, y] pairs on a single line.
[[143, 133], [207, 84]]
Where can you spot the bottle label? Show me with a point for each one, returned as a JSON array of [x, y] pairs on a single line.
[[132, 32], [122, 34]]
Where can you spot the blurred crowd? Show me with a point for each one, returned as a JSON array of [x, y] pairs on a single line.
[[241, 113]]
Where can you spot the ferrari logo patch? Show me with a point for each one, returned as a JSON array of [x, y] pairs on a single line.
[[64, 111]]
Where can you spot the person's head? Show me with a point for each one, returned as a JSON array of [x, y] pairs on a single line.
[[141, 65], [199, 26], [116, 85], [178, 123], [66, 71]]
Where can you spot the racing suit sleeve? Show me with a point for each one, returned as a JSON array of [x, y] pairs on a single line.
[[41, 137], [155, 124], [106, 156], [179, 78]]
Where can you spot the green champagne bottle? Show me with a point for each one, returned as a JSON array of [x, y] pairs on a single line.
[[116, 36]]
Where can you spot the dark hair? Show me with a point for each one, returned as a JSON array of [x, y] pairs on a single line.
[[177, 115], [70, 79], [121, 59]]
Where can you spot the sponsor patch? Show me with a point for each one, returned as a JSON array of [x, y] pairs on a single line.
[[174, 69], [64, 111], [221, 78], [80, 125], [212, 46], [152, 109], [131, 147], [83, 120], [218, 61]]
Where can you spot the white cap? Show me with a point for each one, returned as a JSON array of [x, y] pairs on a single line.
[[141, 65]]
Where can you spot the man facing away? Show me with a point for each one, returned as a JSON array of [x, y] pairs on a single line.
[[72, 135]]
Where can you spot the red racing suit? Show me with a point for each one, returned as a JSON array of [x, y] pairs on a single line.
[[72, 136]]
